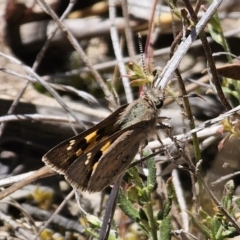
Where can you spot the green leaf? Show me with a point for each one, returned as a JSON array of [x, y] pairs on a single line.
[[168, 204], [229, 91], [151, 179], [215, 29], [127, 207], [134, 177], [228, 195], [132, 194], [144, 221], [165, 229], [201, 227], [217, 228]]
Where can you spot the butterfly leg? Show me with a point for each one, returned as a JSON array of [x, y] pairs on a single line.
[[145, 143]]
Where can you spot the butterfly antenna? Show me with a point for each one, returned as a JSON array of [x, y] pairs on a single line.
[[141, 53], [187, 96]]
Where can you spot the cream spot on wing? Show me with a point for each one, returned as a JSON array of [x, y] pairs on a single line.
[[69, 148], [89, 155], [72, 142]]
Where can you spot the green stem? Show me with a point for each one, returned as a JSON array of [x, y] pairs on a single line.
[[151, 220]]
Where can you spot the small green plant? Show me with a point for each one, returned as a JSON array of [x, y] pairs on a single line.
[[217, 226], [156, 226]]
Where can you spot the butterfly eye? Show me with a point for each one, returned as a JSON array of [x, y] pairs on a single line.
[[159, 103]]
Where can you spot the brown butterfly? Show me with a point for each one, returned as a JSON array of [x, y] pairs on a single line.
[[96, 157]]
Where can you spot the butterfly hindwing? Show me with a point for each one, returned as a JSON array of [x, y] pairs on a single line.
[[121, 161]]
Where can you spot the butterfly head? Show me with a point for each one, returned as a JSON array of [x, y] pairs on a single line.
[[155, 97]]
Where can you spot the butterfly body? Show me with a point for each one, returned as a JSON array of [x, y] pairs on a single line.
[[96, 157]]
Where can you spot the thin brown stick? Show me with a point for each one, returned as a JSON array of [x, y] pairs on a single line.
[[78, 48], [208, 53], [128, 31], [41, 173]]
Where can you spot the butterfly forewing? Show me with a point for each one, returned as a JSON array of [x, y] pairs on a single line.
[[64, 154]]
